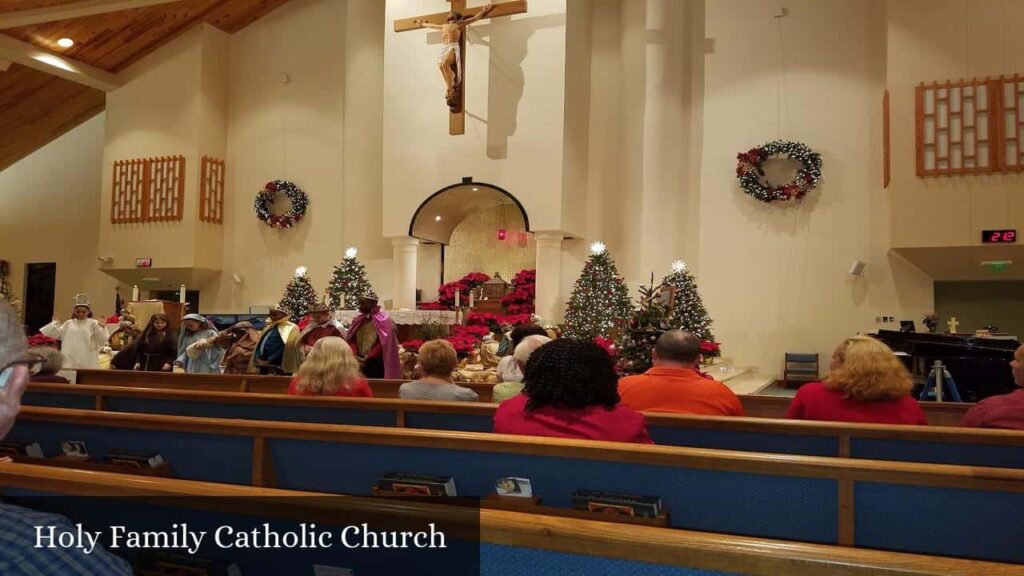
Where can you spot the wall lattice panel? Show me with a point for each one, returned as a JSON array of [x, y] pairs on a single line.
[[211, 191], [148, 190], [970, 127], [129, 184], [1011, 153]]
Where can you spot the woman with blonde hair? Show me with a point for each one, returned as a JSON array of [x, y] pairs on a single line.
[[330, 369], [866, 383]]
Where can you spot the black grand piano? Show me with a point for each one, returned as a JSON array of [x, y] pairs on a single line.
[[979, 366]]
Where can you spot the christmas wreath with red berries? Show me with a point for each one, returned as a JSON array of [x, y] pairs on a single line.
[[750, 171], [270, 193]]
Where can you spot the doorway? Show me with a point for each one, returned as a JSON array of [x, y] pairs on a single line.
[[40, 287]]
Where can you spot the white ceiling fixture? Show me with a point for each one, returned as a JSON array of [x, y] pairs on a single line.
[[65, 42], [28, 55], [71, 11]]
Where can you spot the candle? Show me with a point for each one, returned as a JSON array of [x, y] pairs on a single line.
[[470, 298], [457, 294], [341, 300], [135, 293], [181, 297]]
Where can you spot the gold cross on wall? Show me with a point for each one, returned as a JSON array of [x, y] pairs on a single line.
[[452, 61]]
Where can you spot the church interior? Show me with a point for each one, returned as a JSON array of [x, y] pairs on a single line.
[[790, 225]]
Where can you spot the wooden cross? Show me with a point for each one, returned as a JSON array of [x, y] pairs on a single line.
[[457, 113]]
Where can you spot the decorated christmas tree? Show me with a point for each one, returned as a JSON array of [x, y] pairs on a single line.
[[299, 295], [599, 298], [688, 313], [645, 325], [348, 283]]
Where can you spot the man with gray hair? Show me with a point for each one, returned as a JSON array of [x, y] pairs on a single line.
[[522, 353], [674, 384], [18, 552]]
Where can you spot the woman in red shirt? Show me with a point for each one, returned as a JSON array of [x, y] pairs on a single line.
[[866, 383], [571, 391], [331, 369]]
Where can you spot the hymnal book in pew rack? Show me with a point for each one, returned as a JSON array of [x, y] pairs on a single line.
[[416, 484], [12, 449], [135, 458], [617, 502]]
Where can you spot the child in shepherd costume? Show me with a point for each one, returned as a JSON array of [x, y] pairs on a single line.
[[156, 348]]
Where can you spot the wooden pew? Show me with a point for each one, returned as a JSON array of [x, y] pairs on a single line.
[[910, 507], [510, 540], [382, 388], [941, 445], [939, 413]]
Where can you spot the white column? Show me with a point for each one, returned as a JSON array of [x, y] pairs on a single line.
[[549, 275], [404, 272]]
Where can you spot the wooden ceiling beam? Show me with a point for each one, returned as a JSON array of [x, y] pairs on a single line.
[[28, 55], [4, 65], [70, 11]]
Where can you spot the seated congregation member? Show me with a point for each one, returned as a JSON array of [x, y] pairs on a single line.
[[330, 369], [437, 362], [18, 526], [674, 384], [277, 351], [196, 328], [866, 383], [156, 348], [523, 351], [321, 325], [1005, 410], [53, 361], [508, 369], [81, 338], [571, 392], [238, 343], [372, 337]]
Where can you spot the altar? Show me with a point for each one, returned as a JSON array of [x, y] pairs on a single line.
[[407, 322]]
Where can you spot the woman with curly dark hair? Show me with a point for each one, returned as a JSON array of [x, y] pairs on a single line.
[[571, 391]]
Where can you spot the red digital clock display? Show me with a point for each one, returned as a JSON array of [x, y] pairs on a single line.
[[998, 236]]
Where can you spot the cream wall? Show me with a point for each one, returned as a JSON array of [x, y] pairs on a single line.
[[514, 122], [304, 104], [50, 200], [172, 103], [936, 40], [774, 278]]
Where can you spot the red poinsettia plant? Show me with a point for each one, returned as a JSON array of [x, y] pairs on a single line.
[[524, 292], [710, 349], [608, 344], [40, 340], [412, 345]]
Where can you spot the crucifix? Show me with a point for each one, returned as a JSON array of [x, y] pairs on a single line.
[[452, 60], [953, 325]]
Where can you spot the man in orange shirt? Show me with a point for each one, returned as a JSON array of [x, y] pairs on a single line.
[[675, 385]]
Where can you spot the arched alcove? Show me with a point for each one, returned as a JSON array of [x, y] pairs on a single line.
[[481, 227]]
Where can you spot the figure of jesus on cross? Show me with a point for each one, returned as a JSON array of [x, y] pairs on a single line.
[[452, 59]]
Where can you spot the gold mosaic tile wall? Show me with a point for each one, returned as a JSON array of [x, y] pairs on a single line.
[[475, 246]]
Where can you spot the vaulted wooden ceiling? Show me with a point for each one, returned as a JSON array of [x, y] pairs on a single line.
[[36, 107]]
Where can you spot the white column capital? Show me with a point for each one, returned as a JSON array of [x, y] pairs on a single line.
[[549, 238], [405, 243]]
